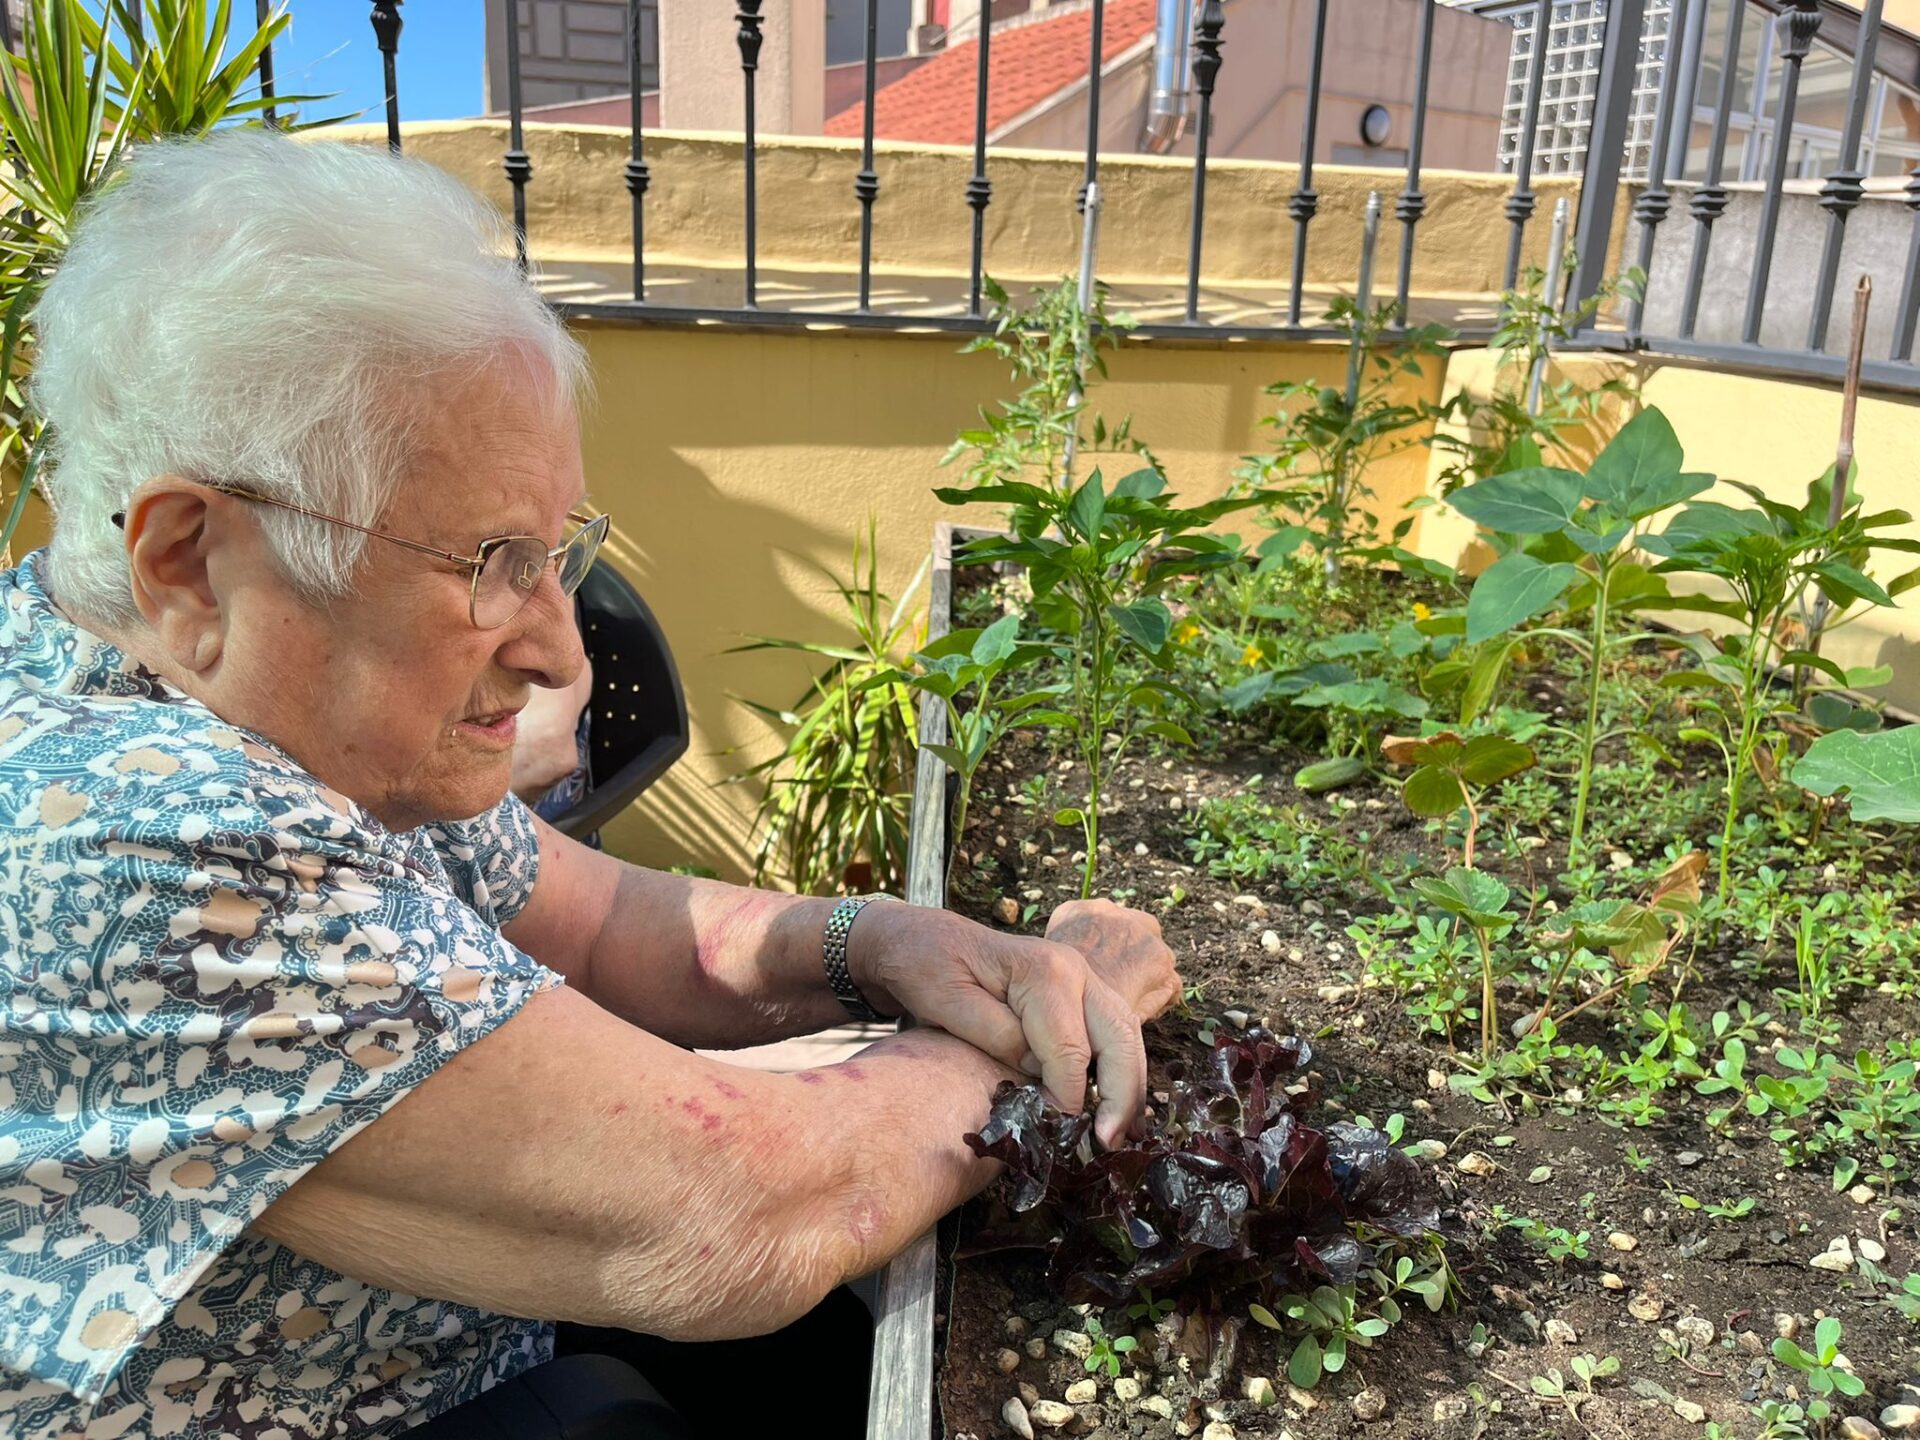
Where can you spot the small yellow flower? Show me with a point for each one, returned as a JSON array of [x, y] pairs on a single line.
[[1421, 612], [1251, 655], [1187, 632]]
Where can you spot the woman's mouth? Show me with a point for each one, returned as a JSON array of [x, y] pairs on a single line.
[[495, 729]]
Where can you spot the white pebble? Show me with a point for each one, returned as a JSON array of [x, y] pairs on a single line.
[[1082, 1391], [1015, 1414]]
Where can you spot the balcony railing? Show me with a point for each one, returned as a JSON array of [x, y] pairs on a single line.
[[1677, 231]]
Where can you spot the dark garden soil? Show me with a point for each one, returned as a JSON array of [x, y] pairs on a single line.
[[1659, 1277]]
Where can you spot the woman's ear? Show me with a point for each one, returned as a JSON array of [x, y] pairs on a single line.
[[173, 529]]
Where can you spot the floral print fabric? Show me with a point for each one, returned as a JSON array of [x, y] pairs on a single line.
[[213, 972]]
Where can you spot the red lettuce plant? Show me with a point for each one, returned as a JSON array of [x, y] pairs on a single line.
[[1231, 1191]]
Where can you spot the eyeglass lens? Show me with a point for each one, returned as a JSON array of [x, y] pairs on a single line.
[[513, 569]]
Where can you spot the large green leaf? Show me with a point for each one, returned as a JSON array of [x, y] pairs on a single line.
[[1638, 474], [1145, 622], [1880, 773], [1537, 501], [1511, 591], [1088, 508], [1475, 896], [1433, 791], [1490, 758]]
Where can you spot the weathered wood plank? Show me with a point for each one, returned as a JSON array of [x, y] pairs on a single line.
[[900, 1402]]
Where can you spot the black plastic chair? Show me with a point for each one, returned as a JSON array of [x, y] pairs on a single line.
[[639, 725]]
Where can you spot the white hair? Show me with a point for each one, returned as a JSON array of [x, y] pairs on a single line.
[[251, 308]]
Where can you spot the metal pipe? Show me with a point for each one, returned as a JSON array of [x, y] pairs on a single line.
[[1095, 46], [638, 177], [1083, 335], [1363, 296], [1710, 197], [1800, 24], [1206, 65], [1306, 201], [516, 162], [979, 187], [386, 35], [749, 39], [1556, 265], [866, 184], [1413, 201], [1521, 202], [1655, 199], [1172, 88], [1845, 188], [262, 12]]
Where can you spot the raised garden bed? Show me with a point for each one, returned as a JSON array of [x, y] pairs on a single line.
[[1678, 1305]]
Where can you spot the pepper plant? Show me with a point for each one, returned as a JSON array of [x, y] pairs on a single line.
[[1577, 535], [1097, 561], [1330, 435], [1769, 555], [962, 670]]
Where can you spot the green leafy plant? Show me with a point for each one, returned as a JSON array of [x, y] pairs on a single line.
[[1479, 901], [961, 670], [833, 808], [1820, 1366], [1558, 1244], [1586, 1369], [1510, 428], [1331, 435], [1450, 771], [1107, 1349], [1879, 774], [1769, 556], [1097, 560], [1332, 1321], [1581, 530]]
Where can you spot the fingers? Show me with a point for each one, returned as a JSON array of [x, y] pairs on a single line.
[[1047, 993], [1114, 1033]]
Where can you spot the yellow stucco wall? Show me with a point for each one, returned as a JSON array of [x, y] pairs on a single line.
[[729, 459]]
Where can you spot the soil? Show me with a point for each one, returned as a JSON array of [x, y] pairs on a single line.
[[1374, 1060]]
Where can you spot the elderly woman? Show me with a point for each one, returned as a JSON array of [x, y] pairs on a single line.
[[332, 1078]]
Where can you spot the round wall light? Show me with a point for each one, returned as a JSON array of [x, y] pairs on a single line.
[[1376, 124]]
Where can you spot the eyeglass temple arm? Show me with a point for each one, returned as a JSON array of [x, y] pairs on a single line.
[[413, 545]]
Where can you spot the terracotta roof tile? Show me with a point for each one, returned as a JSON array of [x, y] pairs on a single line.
[[1029, 62]]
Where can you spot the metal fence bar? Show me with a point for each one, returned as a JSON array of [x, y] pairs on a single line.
[[262, 12], [1710, 197], [1844, 189], [516, 162], [749, 39], [1206, 67], [1412, 203], [1654, 202], [1095, 45], [638, 177], [1693, 40], [1305, 201], [979, 187], [1903, 319], [1606, 146], [1521, 202], [1770, 360], [866, 184], [1556, 265], [386, 34], [1800, 24]]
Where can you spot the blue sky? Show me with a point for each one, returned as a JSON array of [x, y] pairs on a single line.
[[330, 49]]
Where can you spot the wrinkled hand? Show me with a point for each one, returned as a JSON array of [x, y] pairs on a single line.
[[1124, 948], [1052, 1008]]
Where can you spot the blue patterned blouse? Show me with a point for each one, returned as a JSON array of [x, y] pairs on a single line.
[[214, 970]]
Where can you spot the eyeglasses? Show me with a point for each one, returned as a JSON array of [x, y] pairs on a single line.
[[503, 571]]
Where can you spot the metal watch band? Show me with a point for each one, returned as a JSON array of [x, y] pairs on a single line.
[[833, 949]]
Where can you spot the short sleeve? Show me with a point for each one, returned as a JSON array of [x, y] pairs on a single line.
[[218, 987], [493, 859]]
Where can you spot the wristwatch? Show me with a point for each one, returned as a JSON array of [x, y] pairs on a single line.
[[833, 949]]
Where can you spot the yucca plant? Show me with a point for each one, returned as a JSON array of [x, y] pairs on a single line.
[[833, 815], [82, 88]]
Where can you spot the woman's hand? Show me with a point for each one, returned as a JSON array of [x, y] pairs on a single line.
[[1053, 1008]]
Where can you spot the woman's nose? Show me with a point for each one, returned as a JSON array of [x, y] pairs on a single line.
[[546, 645]]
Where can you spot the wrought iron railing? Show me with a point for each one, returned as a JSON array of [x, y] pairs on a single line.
[[1681, 282]]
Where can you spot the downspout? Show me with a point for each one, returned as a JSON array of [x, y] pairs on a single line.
[[1172, 78]]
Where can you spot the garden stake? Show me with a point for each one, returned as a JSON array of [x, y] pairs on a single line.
[[1842, 458], [1556, 262], [1082, 341]]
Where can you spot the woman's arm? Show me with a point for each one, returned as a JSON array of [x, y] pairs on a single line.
[[710, 965], [572, 1167]]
